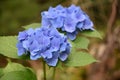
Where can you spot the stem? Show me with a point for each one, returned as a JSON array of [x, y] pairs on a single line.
[[44, 70], [54, 70]]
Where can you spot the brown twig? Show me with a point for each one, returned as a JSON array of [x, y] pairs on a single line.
[[112, 18]]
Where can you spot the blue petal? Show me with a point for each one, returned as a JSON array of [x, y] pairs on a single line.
[[35, 57], [43, 41], [21, 50], [68, 49], [33, 53], [45, 14], [61, 11], [54, 32], [45, 22], [52, 12], [53, 61], [30, 31], [88, 24], [72, 36], [80, 25], [73, 8], [47, 54], [63, 47], [63, 56], [26, 44], [70, 25], [34, 46], [22, 35], [79, 16], [30, 39], [57, 22], [59, 7], [55, 44], [38, 33]]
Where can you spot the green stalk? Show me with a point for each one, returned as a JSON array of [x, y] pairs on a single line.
[[44, 70], [54, 70]]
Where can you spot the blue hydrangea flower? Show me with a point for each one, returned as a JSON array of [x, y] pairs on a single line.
[[46, 43], [71, 19]]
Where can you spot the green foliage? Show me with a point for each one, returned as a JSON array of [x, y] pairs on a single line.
[[8, 47], [13, 67], [79, 58], [1, 72], [89, 33], [15, 13], [80, 42], [33, 25], [15, 71]]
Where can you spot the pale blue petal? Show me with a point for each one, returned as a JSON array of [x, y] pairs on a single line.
[[70, 25], [30, 31], [73, 9], [44, 42], [61, 11], [52, 62], [59, 7], [26, 44], [79, 17], [34, 46], [54, 32], [21, 50], [22, 35], [45, 22], [63, 47], [52, 12], [72, 36], [88, 24], [63, 56], [57, 22], [33, 53], [47, 54], [35, 57], [55, 44], [80, 25]]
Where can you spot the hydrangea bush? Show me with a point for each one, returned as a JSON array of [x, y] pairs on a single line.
[[71, 20], [60, 36], [46, 43]]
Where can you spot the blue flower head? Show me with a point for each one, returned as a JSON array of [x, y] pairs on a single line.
[[71, 19], [46, 43]]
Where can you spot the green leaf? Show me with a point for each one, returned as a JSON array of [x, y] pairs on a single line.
[[15, 71], [33, 25], [78, 58], [93, 33], [19, 75], [8, 47], [1, 72], [80, 42], [13, 67]]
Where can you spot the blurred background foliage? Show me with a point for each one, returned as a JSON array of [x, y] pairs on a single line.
[[16, 13]]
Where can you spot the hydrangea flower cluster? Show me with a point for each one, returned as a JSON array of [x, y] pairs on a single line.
[[46, 43], [71, 19]]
